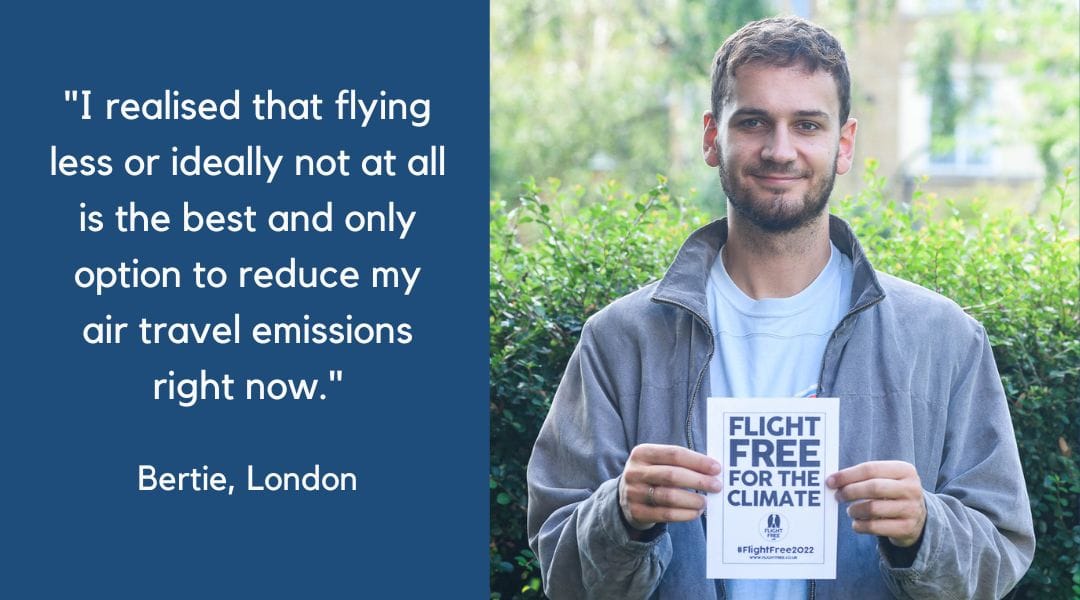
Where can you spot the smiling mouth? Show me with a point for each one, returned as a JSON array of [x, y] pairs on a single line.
[[777, 179]]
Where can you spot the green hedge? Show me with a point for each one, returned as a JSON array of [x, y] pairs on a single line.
[[557, 256]]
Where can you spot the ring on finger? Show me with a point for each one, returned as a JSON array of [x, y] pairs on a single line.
[[649, 498]]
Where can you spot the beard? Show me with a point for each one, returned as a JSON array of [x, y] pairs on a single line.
[[776, 214]]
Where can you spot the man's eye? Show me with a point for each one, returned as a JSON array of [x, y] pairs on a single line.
[[808, 126], [751, 123]]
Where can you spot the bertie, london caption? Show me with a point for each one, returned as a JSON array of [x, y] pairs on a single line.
[[202, 479]]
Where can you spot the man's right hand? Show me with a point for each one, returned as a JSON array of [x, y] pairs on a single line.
[[660, 484]]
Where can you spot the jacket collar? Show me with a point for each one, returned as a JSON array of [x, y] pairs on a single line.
[[686, 278]]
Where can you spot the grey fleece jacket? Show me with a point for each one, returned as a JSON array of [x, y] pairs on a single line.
[[916, 380]]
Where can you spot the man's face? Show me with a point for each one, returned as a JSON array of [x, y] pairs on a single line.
[[779, 144]]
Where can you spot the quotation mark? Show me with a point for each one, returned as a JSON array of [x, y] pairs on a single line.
[[76, 96]]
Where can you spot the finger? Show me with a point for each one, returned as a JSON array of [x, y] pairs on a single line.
[[885, 489], [883, 509], [662, 514], [666, 497], [676, 477], [662, 454], [876, 469], [902, 530]]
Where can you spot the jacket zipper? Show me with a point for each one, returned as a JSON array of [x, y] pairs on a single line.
[[701, 374], [832, 338], [821, 377]]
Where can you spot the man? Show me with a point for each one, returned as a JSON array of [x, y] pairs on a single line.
[[779, 300]]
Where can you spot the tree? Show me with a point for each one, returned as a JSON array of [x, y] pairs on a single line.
[[589, 90], [1039, 43]]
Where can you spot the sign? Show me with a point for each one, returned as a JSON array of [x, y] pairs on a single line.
[[774, 519]]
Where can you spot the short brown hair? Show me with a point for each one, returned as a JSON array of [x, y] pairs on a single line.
[[781, 42]]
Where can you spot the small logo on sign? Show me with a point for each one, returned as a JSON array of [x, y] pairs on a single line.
[[773, 526]]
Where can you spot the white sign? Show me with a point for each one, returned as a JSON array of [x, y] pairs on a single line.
[[774, 519]]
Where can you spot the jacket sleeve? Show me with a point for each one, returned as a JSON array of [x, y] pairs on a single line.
[[574, 519], [978, 540]]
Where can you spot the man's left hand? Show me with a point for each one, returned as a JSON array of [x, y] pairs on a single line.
[[886, 499]]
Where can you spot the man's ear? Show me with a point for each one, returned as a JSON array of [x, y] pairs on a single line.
[[846, 153], [708, 141]]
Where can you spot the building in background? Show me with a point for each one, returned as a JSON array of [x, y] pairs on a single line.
[[977, 151]]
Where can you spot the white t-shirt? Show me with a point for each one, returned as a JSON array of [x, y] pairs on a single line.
[[773, 347]]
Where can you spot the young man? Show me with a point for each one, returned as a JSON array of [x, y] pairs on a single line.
[[779, 300]]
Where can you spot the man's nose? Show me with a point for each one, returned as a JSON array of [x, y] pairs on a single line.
[[779, 148]]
